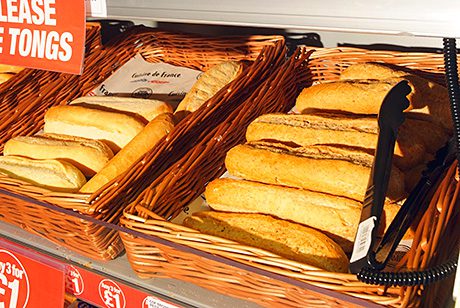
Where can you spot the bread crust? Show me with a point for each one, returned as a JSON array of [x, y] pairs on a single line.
[[146, 140], [335, 216], [148, 109], [89, 156], [114, 128], [209, 83], [336, 170], [355, 96], [427, 97], [52, 174], [349, 130], [290, 240]]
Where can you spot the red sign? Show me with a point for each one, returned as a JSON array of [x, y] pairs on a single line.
[[29, 283], [104, 292], [43, 34], [111, 294]]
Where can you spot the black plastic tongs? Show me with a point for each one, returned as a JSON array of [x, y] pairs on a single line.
[[366, 253], [390, 118]]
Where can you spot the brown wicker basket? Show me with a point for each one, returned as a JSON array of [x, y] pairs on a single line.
[[26, 98], [151, 258]]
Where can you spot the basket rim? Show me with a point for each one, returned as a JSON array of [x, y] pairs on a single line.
[[88, 203]]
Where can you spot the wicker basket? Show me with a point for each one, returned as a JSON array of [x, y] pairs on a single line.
[[26, 98], [307, 286]]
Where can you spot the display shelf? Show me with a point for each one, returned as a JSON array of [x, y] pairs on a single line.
[[404, 18], [176, 292]]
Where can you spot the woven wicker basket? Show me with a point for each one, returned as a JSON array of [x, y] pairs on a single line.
[[150, 258], [26, 98]]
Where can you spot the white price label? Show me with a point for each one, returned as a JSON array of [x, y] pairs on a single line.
[[96, 8], [363, 239], [153, 302]]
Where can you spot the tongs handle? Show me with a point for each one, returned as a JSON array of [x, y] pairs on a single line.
[[390, 118], [416, 203]]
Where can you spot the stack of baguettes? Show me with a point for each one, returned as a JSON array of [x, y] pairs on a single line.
[[93, 138], [91, 141], [311, 170]]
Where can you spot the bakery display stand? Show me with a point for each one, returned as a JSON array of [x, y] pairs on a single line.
[[30, 263]]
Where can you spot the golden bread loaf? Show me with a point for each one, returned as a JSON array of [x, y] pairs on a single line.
[[355, 96], [337, 170], [88, 155], [52, 174], [148, 109], [427, 96], [337, 217], [11, 69], [4, 77], [134, 150], [290, 240], [116, 129], [209, 83], [350, 130]]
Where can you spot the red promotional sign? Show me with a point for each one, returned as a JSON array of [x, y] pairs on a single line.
[[43, 34], [107, 293], [29, 283]]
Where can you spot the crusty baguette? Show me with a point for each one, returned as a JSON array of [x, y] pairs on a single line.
[[209, 83], [337, 217], [371, 70], [322, 128], [427, 97], [12, 69], [290, 240], [355, 96], [114, 128], [135, 149], [88, 155], [148, 109], [335, 170], [49, 173], [4, 77]]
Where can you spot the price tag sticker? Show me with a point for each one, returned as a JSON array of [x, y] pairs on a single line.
[[43, 34], [154, 302]]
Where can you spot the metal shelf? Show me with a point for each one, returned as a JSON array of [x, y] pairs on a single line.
[[403, 18], [180, 292]]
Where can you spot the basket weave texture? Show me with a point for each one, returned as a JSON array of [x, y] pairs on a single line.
[[26, 97], [441, 221]]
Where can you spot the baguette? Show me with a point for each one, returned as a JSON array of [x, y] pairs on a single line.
[[135, 149], [321, 128], [12, 69], [353, 96], [89, 156], [114, 128], [148, 109], [337, 217], [336, 170], [427, 97], [209, 83], [287, 239], [52, 174], [4, 77]]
